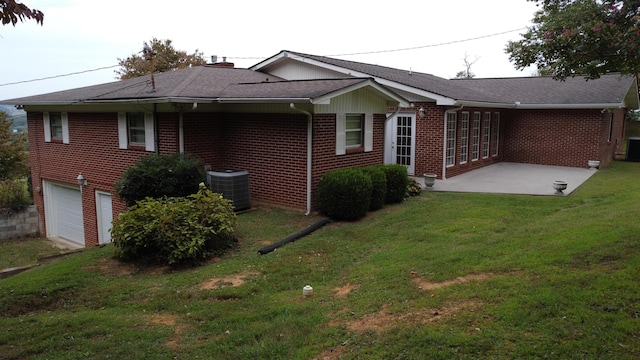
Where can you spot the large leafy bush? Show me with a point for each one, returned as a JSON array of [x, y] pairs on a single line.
[[177, 230], [344, 194], [14, 194], [173, 175]]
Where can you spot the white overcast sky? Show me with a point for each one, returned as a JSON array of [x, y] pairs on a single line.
[[81, 35]]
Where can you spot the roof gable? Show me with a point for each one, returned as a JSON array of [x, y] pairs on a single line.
[[611, 90]]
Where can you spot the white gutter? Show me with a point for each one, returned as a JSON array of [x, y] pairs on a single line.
[[444, 147], [309, 153]]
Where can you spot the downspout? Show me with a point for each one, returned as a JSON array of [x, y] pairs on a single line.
[[444, 147], [309, 153], [386, 122], [155, 128]]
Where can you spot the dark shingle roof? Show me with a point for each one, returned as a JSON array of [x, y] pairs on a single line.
[[608, 89]]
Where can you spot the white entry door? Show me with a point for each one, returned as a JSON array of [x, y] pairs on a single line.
[[400, 141], [104, 212], [63, 212]]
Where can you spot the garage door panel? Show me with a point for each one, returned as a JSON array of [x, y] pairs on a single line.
[[64, 217]]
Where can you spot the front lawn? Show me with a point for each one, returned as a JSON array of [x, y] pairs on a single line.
[[440, 276]]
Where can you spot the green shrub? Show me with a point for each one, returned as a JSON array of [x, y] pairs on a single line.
[[378, 186], [173, 175], [175, 231], [344, 194], [397, 181], [14, 194]]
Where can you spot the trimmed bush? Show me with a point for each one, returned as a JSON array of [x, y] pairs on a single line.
[[378, 186], [175, 231], [14, 194], [397, 181], [344, 194], [173, 175]]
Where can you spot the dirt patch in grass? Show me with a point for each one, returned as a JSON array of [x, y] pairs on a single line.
[[114, 267], [173, 342], [423, 284], [234, 280], [331, 354], [384, 319], [343, 291]]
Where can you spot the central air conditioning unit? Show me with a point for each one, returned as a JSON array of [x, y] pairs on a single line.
[[633, 149], [233, 185]]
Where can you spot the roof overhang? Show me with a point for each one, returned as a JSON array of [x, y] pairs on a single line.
[[440, 100], [518, 105]]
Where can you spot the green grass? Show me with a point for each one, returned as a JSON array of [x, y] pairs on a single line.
[[440, 276], [24, 251]]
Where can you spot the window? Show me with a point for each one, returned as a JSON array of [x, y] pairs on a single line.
[[56, 127], [475, 140], [452, 119], [136, 129], [464, 138], [353, 130], [486, 127], [495, 134]]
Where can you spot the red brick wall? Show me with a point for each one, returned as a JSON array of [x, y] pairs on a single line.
[[324, 145], [93, 151], [559, 137]]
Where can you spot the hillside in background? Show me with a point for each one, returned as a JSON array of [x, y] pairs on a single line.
[[17, 117]]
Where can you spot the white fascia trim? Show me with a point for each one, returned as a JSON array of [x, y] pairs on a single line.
[[269, 61], [440, 100], [325, 99], [263, 100]]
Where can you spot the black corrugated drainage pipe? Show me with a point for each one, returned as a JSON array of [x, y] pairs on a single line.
[[293, 237]]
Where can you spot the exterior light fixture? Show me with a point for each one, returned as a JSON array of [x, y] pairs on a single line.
[[421, 112], [81, 180]]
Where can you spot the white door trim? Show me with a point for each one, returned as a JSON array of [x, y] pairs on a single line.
[[52, 220], [391, 147]]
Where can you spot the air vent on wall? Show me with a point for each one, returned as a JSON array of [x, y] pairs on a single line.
[[633, 149], [233, 185]]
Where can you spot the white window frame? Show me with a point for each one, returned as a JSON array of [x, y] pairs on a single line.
[[366, 133], [48, 127], [149, 132], [475, 140], [452, 120], [486, 134], [464, 138], [495, 134]]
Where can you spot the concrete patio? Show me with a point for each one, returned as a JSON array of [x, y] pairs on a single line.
[[514, 178]]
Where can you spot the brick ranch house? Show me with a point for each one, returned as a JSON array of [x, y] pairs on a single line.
[[286, 134], [455, 126], [293, 117]]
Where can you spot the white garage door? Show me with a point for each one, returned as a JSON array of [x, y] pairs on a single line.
[[63, 212]]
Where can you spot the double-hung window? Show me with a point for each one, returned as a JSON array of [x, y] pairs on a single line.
[[353, 130], [486, 128], [136, 129], [464, 138], [475, 139], [452, 119], [56, 127], [495, 134], [354, 133]]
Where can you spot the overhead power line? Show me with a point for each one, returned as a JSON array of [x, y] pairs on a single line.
[[259, 58]]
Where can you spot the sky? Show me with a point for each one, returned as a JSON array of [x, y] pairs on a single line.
[[80, 36]]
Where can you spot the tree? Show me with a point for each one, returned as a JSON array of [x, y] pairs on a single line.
[[581, 37], [12, 11], [163, 57], [466, 73], [13, 158]]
